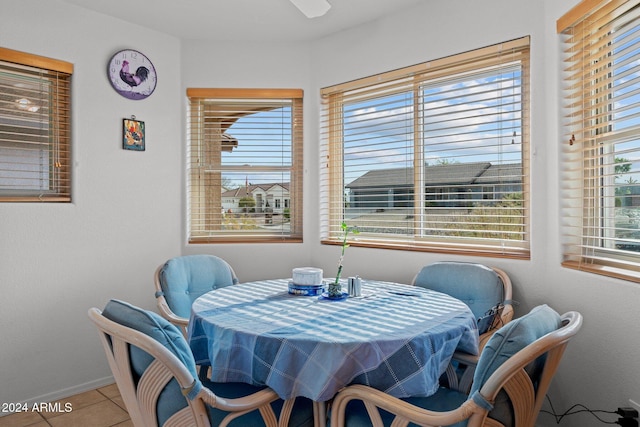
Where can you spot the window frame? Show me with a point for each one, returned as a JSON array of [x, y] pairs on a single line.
[[588, 146], [295, 197], [59, 142], [332, 156]]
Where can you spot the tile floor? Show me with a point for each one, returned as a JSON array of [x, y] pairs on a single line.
[[102, 407]]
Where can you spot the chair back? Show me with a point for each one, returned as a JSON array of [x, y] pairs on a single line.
[[481, 287], [517, 365], [181, 280], [476, 285], [152, 364]]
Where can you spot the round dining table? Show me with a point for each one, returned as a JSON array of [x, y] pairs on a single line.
[[394, 337]]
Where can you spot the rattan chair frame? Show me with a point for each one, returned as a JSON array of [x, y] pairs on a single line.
[[507, 312], [461, 381], [141, 398], [163, 305]]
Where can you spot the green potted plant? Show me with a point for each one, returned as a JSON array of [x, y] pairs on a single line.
[[334, 289]]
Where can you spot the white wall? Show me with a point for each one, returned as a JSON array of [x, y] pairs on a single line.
[[57, 260], [256, 65], [600, 368]]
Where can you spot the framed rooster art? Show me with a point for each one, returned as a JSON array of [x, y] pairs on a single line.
[[133, 131], [132, 74]]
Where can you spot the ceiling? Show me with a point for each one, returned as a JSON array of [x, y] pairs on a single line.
[[243, 20]]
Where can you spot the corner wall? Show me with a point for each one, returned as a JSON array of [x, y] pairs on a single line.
[[257, 65], [58, 260], [600, 369]]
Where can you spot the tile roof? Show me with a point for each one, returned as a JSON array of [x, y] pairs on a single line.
[[449, 174], [245, 190]]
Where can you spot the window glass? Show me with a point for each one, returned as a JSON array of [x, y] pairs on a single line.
[[245, 157], [432, 160], [601, 150], [34, 128]]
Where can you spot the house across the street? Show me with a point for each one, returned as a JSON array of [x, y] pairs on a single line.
[[274, 196], [446, 185]]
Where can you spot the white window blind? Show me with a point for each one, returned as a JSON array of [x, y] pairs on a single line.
[[432, 157], [245, 165], [35, 134], [601, 147]]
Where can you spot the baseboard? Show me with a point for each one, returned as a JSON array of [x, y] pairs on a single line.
[[67, 392]]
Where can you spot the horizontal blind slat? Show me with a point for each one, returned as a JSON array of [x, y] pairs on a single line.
[[35, 135], [600, 193], [374, 166], [244, 165]]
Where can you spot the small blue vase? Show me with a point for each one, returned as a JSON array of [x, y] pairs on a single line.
[[334, 290]]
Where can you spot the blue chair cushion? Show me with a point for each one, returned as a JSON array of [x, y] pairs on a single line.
[[506, 342], [185, 278], [512, 338], [476, 285], [171, 398]]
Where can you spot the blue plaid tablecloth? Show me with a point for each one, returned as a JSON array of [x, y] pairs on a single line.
[[396, 338]]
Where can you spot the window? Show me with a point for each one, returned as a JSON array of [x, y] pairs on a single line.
[[35, 132], [245, 155], [432, 157], [601, 147]]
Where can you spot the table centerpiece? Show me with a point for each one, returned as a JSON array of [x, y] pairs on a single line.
[[334, 289]]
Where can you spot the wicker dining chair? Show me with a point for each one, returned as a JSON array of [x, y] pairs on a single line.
[[509, 386], [488, 293], [181, 280], [155, 372], [486, 290]]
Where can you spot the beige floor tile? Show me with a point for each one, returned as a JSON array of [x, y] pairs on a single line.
[[75, 402], [127, 423], [111, 391], [102, 414], [120, 402], [21, 419]]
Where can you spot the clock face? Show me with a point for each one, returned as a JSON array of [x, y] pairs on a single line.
[[131, 74]]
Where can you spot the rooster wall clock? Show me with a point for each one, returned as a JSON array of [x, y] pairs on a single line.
[[132, 74]]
